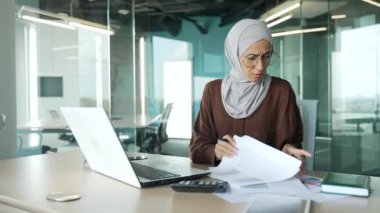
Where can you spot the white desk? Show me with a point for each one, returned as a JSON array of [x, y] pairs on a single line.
[[30, 179]]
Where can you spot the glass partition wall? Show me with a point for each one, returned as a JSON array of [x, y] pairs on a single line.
[[72, 54], [338, 65], [355, 87], [146, 57], [327, 50]]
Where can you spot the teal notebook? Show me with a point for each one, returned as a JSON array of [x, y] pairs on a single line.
[[348, 184]]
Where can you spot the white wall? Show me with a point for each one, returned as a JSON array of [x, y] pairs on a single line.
[[58, 56], [78, 56]]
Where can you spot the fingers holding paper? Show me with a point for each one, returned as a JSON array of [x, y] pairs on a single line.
[[225, 147], [300, 154]]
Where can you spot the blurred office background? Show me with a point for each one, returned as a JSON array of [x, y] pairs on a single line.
[[134, 57]]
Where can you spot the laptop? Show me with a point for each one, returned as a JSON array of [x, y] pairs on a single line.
[[103, 151]]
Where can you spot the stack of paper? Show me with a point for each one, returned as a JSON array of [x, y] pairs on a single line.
[[261, 169], [256, 163]]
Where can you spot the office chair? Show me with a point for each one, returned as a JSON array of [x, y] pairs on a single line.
[[308, 110], [25, 149], [155, 133], [67, 136]]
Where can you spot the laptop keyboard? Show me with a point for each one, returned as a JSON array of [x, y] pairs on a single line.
[[151, 173]]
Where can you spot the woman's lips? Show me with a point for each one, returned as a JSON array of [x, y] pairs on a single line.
[[256, 75]]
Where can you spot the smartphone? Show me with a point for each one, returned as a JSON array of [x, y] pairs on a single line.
[[63, 196]]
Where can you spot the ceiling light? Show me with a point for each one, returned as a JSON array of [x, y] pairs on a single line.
[[292, 32], [278, 21], [60, 20], [74, 57], [372, 2], [282, 11], [338, 16], [123, 11], [93, 28], [46, 21], [70, 47]]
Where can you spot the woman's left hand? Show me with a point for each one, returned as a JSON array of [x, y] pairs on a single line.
[[300, 154]]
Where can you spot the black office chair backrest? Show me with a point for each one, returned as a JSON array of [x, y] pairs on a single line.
[[155, 133], [163, 123]]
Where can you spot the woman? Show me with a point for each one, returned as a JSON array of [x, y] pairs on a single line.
[[248, 101]]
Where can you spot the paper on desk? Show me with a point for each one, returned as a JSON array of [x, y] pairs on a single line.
[[288, 187], [256, 163]]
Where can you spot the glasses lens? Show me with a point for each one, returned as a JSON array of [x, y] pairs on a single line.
[[251, 60]]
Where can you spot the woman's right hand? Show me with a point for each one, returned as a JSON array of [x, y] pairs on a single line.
[[225, 147]]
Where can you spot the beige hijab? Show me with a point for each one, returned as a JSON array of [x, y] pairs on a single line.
[[240, 96]]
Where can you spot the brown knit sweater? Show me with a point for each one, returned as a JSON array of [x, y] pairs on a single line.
[[276, 122]]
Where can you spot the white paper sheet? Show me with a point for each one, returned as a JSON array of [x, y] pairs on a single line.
[[256, 163], [275, 203], [260, 169], [289, 187]]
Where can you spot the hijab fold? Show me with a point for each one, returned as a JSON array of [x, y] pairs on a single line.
[[241, 97]]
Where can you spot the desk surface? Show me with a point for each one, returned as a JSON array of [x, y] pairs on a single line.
[[30, 179]]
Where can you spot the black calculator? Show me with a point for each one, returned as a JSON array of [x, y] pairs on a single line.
[[217, 186]]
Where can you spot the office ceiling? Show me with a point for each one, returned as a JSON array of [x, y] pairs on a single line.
[[155, 15], [170, 14], [227, 10], [159, 15]]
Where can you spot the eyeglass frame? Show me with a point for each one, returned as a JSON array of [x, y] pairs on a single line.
[[264, 58]]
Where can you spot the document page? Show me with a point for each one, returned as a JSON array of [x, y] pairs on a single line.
[[261, 169], [275, 203], [256, 163]]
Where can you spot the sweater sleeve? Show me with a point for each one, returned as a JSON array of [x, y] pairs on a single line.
[[204, 137]]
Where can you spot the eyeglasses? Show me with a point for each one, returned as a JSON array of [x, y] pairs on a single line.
[[251, 60]]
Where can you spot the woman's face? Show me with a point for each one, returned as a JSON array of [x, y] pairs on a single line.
[[255, 60]]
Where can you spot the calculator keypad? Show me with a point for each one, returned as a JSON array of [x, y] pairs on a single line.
[[201, 186]]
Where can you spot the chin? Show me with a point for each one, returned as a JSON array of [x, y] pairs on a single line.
[[256, 79]]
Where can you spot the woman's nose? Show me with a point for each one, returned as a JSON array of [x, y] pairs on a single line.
[[260, 64]]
